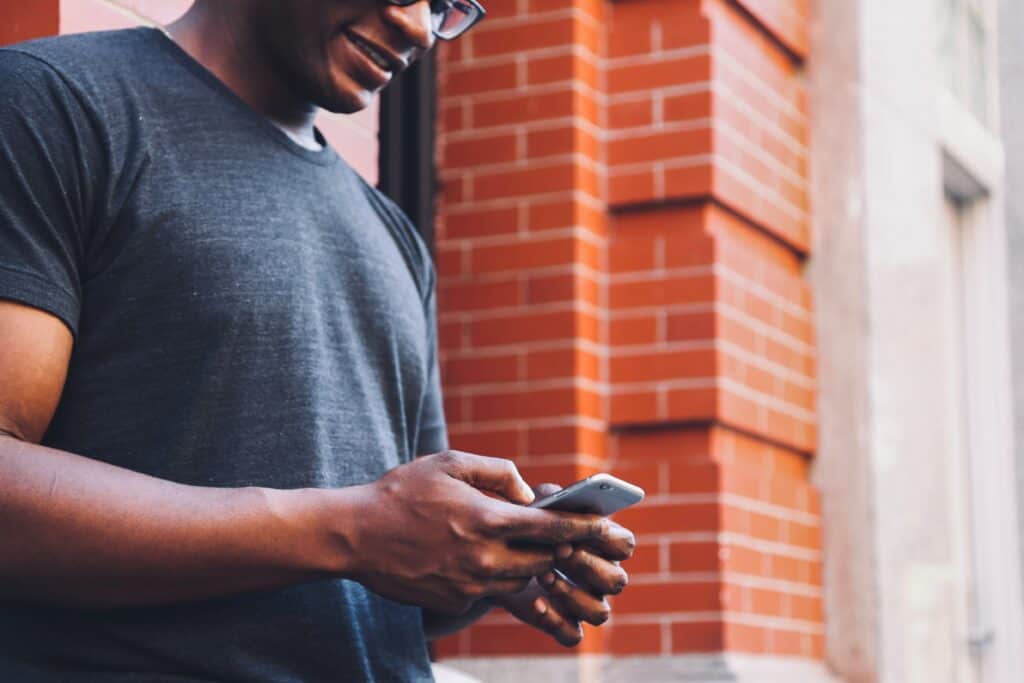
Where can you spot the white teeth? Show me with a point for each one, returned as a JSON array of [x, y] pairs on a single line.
[[373, 54]]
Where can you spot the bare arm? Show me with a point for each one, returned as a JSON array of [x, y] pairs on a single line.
[[76, 531]]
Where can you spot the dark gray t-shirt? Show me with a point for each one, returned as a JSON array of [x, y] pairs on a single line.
[[246, 312]]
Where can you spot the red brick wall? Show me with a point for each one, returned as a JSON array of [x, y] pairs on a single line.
[[624, 222]]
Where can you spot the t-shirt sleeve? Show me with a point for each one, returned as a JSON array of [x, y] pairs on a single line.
[[47, 149], [432, 436]]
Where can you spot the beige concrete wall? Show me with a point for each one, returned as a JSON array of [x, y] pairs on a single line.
[[910, 575]]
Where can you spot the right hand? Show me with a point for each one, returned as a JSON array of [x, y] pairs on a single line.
[[426, 534]]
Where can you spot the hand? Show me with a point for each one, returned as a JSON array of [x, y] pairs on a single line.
[[556, 605], [425, 534]]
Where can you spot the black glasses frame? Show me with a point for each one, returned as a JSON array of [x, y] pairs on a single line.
[[481, 13]]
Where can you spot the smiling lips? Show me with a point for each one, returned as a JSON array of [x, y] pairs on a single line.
[[375, 67]]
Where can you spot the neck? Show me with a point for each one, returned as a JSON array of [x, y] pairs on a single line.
[[222, 45]]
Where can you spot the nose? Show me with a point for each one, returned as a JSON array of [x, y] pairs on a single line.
[[413, 21]]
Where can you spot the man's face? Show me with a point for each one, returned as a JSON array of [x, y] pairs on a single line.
[[338, 53]]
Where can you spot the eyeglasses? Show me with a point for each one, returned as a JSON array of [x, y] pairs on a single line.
[[450, 18]]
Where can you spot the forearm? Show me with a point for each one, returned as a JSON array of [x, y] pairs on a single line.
[[437, 625], [75, 531]]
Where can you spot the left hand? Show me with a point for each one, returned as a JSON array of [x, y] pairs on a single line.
[[556, 605]]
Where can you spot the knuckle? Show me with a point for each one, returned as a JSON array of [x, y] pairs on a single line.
[[495, 523], [448, 459], [630, 543], [471, 592], [485, 563]]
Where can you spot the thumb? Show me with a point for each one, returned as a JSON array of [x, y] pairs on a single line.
[[496, 475]]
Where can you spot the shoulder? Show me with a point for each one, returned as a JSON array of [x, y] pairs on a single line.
[[80, 54], [409, 240], [97, 67]]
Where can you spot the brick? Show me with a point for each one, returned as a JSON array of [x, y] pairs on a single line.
[[658, 146], [544, 70], [697, 596], [532, 35], [516, 405], [470, 296], [693, 478], [688, 106], [631, 114], [694, 557], [501, 368], [519, 328], [480, 223], [766, 602], [739, 559], [649, 518], [655, 366], [476, 152], [645, 560], [690, 181], [681, 445], [561, 141], [659, 73], [697, 636], [632, 187], [691, 326], [786, 643], [522, 182], [639, 329], [634, 639], [745, 638], [663, 291], [632, 253], [545, 289], [498, 442], [517, 108], [552, 364], [477, 79], [692, 403], [806, 608], [635, 406], [520, 255]]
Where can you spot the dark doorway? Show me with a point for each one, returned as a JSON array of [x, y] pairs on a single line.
[[408, 173]]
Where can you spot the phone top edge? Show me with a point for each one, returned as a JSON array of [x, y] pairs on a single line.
[[615, 481]]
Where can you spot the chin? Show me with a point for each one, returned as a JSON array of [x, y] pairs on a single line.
[[343, 102]]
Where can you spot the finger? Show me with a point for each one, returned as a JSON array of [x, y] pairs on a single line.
[[498, 587], [574, 600], [548, 619], [618, 544], [496, 475], [521, 561], [546, 489], [551, 527], [596, 574]]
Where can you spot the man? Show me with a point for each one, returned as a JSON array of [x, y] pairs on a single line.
[[217, 366], [218, 363]]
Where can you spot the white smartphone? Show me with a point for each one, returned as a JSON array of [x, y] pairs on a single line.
[[600, 494]]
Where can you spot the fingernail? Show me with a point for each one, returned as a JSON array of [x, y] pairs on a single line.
[[563, 552], [541, 606], [548, 578]]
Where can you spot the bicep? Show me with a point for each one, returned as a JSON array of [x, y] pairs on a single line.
[[35, 349]]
